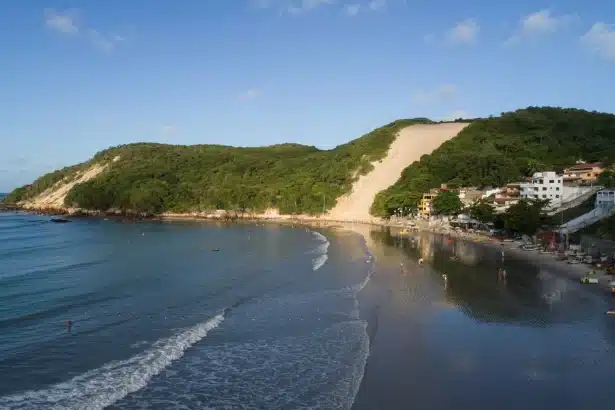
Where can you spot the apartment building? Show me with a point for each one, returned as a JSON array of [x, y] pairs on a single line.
[[543, 185], [425, 208]]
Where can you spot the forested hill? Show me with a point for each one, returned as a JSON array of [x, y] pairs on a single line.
[[147, 177], [499, 150]]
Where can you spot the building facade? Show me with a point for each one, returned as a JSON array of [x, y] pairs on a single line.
[[605, 199], [508, 195], [544, 185], [425, 208], [585, 173], [469, 195]]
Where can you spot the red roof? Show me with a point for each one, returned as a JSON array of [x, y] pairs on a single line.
[[584, 166]]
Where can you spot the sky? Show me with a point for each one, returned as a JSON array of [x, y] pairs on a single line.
[[82, 76]]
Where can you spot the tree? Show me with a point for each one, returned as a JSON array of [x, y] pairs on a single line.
[[447, 203], [498, 150], [526, 216], [482, 210], [606, 178]]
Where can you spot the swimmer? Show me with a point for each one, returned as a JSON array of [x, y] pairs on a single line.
[[420, 261], [69, 324]]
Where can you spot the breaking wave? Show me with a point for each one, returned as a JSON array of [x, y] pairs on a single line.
[[320, 251], [105, 385]]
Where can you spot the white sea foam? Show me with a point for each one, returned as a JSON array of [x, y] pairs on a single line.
[[101, 387], [320, 251]]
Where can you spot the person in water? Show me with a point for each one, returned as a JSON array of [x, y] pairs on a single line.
[[69, 324]]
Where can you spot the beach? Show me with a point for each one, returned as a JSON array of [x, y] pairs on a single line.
[[473, 341], [315, 314]]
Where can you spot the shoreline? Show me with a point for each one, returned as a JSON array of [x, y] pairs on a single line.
[[570, 271]]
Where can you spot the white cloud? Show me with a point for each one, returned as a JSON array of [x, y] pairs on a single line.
[[464, 32], [63, 22], [250, 94], [352, 9], [66, 23], [106, 44], [377, 4], [440, 94], [540, 23], [601, 39]]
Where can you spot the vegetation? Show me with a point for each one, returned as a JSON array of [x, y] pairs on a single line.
[[499, 150], [41, 184], [447, 203], [526, 216], [153, 178], [606, 178], [482, 211]]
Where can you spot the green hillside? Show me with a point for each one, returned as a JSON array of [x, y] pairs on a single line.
[[498, 150], [157, 177]]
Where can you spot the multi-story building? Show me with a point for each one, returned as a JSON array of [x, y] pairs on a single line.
[[605, 199], [425, 208], [584, 173], [544, 185], [507, 196]]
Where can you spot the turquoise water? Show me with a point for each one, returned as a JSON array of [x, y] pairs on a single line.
[[162, 321]]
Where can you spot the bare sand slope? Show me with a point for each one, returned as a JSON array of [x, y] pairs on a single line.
[[54, 196], [411, 143]]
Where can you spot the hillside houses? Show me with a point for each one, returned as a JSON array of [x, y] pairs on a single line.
[[560, 189], [583, 173]]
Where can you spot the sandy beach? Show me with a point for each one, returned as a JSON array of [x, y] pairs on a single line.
[[410, 309]]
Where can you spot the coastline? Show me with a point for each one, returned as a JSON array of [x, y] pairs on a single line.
[[570, 271]]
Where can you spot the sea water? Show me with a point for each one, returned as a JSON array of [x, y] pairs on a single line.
[[161, 320]]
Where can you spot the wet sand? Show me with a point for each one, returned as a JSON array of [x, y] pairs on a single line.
[[534, 341]]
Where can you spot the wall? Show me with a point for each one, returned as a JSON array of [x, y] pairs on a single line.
[[595, 246]]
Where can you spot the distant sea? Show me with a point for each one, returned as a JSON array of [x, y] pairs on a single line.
[[172, 315]]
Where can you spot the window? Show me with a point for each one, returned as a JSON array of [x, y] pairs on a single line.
[[535, 188], [544, 196], [544, 188], [540, 181], [557, 188], [551, 181], [557, 196]]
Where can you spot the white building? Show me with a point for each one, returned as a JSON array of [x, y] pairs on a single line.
[[605, 199], [544, 185]]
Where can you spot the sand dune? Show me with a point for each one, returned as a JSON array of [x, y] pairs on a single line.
[[53, 197], [411, 143]]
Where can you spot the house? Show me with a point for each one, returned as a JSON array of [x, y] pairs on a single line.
[[544, 185], [469, 195], [507, 196], [583, 173], [605, 199], [424, 208]]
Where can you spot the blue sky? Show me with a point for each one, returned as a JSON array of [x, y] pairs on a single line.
[[80, 76]]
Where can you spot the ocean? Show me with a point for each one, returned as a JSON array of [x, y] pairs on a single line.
[[179, 315]]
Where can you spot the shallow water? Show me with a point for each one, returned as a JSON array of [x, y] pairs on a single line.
[[161, 321], [536, 340]]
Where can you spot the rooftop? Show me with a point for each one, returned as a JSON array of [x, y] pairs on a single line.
[[585, 166]]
